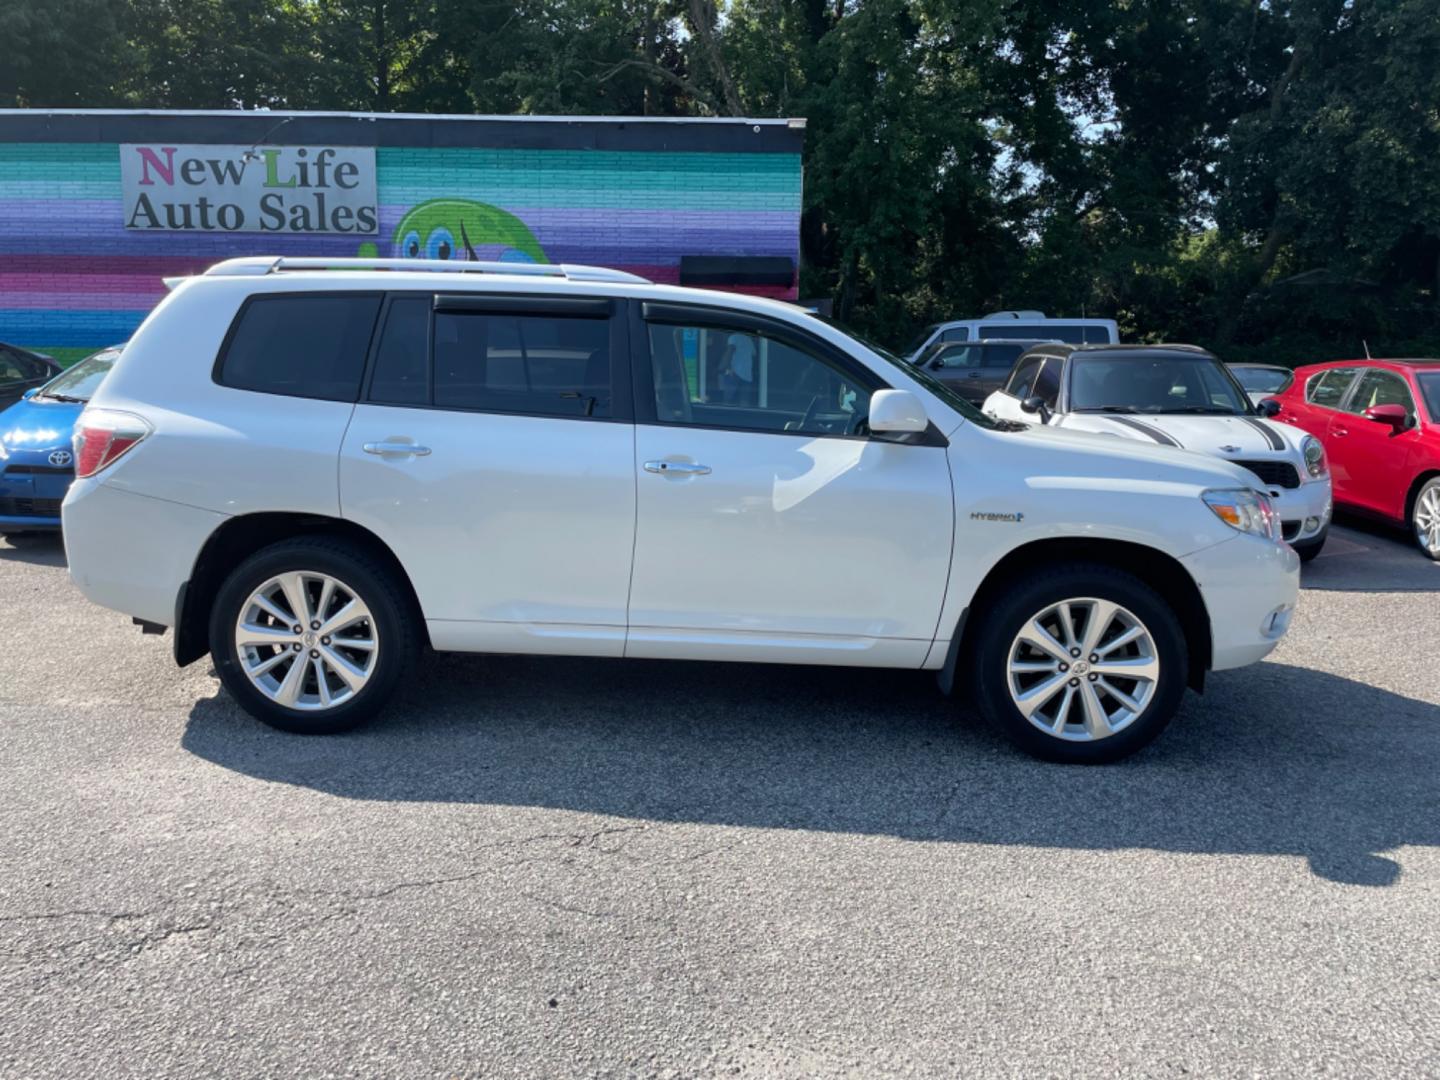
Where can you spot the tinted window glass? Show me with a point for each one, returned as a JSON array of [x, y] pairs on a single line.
[[1157, 383], [17, 368], [1261, 380], [81, 381], [1047, 382], [1380, 388], [1073, 334], [734, 379], [1430, 386], [1022, 377], [960, 356], [1001, 356], [304, 346], [956, 333], [1329, 387], [544, 365], [401, 362]]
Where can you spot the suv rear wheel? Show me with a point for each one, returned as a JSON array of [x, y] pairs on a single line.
[[1081, 663], [311, 635]]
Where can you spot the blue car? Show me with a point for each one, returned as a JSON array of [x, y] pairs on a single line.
[[36, 461]]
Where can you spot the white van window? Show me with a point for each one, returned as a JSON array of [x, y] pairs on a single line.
[[1072, 333]]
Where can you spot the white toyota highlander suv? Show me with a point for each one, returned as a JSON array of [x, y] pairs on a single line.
[[311, 469]]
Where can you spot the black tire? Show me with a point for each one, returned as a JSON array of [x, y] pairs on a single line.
[[392, 613], [1431, 485], [990, 658], [1312, 547]]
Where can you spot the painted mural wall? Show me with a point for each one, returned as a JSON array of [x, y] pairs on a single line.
[[74, 278]]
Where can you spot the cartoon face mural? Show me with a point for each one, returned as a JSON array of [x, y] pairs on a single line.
[[455, 228]]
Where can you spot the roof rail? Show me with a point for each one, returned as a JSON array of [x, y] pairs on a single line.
[[276, 264]]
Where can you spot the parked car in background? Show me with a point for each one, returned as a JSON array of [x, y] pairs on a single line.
[[1175, 396], [21, 370], [36, 456], [1380, 423], [310, 469], [973, 369], [1016, 325], [1261, 380]]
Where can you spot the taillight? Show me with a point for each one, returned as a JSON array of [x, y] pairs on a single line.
[[102, 436]]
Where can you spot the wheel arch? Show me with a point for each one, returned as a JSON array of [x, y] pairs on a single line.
[[1410, 496], [1160, 571], [241, 536]]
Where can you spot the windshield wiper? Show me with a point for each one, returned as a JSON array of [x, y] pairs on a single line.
[[1205, 409], [65, 398], [1010, 425], [1111, 409]]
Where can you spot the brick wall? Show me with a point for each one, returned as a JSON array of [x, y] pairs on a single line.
[[73, 279]]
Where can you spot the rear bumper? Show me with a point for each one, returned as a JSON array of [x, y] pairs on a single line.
[[130, 552], [1250, 587]]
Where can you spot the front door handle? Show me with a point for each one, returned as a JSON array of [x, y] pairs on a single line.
[[1341, 432], [390, 447], [678, 468]]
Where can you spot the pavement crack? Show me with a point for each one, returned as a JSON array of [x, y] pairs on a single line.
[[76, 913]]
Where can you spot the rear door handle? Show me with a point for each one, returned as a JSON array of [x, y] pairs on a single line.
[[679, 468], [384, 448]]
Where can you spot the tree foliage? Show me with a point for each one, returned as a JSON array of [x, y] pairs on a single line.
[[1258, 175]]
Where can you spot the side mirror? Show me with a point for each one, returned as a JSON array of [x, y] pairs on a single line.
[[1036, 404], [936, 364], [28, 394], [1394, 415], [896, 413], [1268, 407]]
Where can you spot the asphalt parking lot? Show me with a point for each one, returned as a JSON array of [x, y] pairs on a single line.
[[558, 868]]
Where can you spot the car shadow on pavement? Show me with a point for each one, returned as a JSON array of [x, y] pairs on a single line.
[[1273, 760], [40, 548], [1363, 555]]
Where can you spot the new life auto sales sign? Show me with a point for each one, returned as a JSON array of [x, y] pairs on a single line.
[[280, 189]]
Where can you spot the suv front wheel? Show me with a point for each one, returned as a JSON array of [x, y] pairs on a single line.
[[311, 635], [1081, 663]]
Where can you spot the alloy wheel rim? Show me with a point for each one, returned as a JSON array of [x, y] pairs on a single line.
[[1083, 669], [1427, 520], [307, 641]]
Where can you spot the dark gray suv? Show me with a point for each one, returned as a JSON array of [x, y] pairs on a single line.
[[974, 369]]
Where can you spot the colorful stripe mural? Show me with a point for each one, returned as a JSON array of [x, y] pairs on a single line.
[[630, 194]]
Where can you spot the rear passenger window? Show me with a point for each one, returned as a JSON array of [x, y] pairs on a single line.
[[540, 365], [401, 362], [310, 346], [1328, 388]]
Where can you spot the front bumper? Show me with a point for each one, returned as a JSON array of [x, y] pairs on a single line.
[[1250, 587], [30, 494], [1304, 511]]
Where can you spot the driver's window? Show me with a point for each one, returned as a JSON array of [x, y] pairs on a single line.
[[960, 356], [739, 379], [10, 370]]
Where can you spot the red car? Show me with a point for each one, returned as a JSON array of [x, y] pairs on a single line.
[[1380, 423]]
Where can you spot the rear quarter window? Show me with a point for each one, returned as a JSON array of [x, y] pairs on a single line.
[[309, 345]]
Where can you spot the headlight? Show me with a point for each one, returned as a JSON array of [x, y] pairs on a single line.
[[1246, 510], [1314, 451]]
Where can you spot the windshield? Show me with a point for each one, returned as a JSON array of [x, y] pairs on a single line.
[[1261, 380], [1154, 383], [1430, 386], [80, 382], [919, 339], [924, 378]]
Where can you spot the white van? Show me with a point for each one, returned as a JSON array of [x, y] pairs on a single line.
[[1016, 324]]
